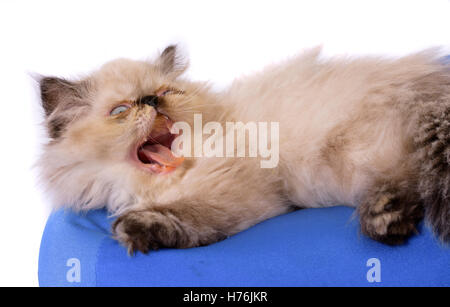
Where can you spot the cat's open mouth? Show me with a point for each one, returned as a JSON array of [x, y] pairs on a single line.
[[155, 153]]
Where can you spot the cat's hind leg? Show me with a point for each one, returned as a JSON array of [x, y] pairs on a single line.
[[433, 141], [389, 214], [390, 210]]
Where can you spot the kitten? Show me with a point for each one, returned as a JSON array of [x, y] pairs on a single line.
[[370, 133]]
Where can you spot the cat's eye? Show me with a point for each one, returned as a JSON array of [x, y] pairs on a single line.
[[119, 109], [166, 92], [169, 91]]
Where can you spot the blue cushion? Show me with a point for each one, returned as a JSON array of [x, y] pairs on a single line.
[[312, 247]]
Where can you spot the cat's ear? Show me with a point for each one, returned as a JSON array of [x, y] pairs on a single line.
[[171, 62], [63, 101], [54, 91]]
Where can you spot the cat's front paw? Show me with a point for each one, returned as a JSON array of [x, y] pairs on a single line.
[[149, 230]]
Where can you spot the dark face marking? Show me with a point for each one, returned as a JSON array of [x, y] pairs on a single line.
[[56, 127]]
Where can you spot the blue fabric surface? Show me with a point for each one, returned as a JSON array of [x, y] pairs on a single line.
[[70, 236], [312, 247]]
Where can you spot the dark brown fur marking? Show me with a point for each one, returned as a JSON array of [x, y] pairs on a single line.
[[52, 90], [433, 141], [389, 214], [152, 229], [56, 127], [61, 100]]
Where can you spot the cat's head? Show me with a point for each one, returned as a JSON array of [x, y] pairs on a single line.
[[109, 132]]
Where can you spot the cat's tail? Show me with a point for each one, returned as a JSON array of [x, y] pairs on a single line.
[[433, 142]]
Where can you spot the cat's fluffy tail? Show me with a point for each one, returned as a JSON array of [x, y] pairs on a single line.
[[433, 141]]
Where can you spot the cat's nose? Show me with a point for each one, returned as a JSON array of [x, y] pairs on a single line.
[[150, 100]]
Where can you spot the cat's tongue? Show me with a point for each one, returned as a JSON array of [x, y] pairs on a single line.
[[160, 154]]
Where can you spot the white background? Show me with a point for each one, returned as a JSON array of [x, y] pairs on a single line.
[[223, 38]]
